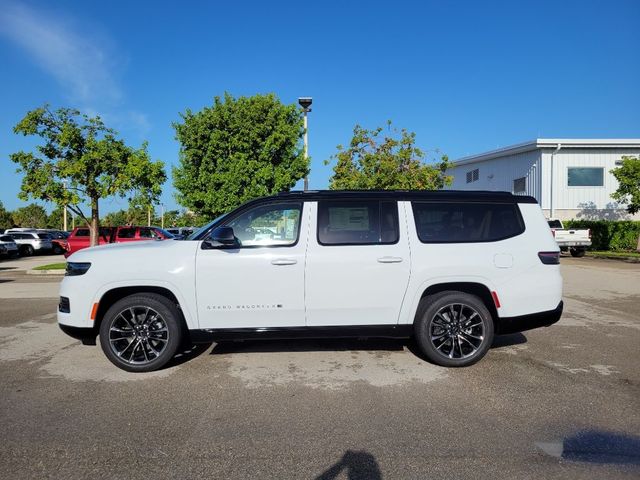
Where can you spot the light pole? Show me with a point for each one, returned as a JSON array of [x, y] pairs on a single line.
[[305, 103], [64, 210], [162, 215]]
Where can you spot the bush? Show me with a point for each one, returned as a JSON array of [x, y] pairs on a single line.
[[608, 235]]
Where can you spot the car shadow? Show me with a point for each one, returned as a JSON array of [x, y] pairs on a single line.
[[596, 446], [358, 465], [5, 280], [308, 345], [186, 354], [501, 341]]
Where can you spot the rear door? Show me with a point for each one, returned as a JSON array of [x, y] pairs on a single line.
[[125, 234], [358, 263]]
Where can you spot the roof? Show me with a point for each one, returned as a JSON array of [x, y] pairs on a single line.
[[439, 195], [551, 143]]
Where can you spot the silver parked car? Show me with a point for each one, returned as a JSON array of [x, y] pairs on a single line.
[[30, 243], [10, 246]]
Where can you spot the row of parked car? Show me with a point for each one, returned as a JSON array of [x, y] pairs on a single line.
[[16, 242], [30, 241]]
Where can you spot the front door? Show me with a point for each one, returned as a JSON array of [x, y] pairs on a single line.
[[259, 282], [358, 264]]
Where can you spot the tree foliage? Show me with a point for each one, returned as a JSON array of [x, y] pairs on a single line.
[[81, 160], [32, 216], [386, 159], [6, 219], [237, 149], [628, 176]]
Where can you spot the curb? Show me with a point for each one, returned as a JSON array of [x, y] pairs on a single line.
[[45, 272], [613, 257]]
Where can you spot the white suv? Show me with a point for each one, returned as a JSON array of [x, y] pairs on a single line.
[[448, 268]]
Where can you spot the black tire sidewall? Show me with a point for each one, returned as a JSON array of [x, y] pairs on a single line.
[[429, 307], [165, 308]]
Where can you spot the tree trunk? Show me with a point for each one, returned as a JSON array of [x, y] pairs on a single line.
[[95, 222]]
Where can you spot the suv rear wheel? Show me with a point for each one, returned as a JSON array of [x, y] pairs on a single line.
[[141, 332], [454, 329], [27, 250]]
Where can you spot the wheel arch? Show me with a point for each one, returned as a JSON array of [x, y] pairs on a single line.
[[478, 289], [112, 295]]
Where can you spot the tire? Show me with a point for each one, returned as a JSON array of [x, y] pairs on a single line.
[[57, 250], [129, 345], [461, 347], [577, 252], [27, 250]]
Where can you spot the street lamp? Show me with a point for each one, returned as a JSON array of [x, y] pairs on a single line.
[[305, 103]]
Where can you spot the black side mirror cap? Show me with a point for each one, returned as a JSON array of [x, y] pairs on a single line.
[[221, 237]]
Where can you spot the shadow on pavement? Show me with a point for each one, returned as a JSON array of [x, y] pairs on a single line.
[[308, 345], [186, 354], [500, 341], [595, 446], [357, 465]]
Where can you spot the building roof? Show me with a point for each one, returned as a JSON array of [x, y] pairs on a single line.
[[551, 143]]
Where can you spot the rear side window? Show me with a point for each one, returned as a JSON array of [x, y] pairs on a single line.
[[6, 238], [82, 232], [466, 222], [362, 222], [127, 233], [44, 236]]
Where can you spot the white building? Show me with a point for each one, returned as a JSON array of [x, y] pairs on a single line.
[[569, 177]]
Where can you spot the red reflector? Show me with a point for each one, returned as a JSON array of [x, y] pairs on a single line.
[[496, 301], [94, 311]]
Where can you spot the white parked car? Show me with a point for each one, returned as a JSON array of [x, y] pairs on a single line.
[[10, 246], [31, 242], [448, 268], [573, 240]]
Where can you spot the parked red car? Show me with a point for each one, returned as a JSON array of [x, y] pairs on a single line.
[[80, 237]]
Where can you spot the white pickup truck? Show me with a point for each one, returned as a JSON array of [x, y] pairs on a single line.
[[447, 268], [575, 241]]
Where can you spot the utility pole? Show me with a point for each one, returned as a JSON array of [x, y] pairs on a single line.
[[162, 215], [305, 103], [148, 216], [64, 211]]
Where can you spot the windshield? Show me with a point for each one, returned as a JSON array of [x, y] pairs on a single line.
[[165, 233], [195, 235]]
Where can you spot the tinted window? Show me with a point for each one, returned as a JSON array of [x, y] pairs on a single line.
[[44, 236], [585, 177], [466, 222], [362, 222], [275, 224], [163, 233], [82, 232], [6, 238], [127, 233]]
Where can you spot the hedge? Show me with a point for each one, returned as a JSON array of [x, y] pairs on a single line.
[[610, 235]]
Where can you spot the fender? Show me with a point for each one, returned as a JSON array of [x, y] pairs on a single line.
[[410, 306], [187, 307]]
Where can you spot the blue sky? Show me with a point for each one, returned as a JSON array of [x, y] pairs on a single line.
[[465, 76]]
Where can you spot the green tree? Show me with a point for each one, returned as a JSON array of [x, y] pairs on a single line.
[[628, 192], [628, 176], [386, 159], [236, 150], [81, 160], [32, 215], [6, 219], [56, 218]]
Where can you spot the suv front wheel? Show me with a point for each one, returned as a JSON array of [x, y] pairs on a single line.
[[141, 332], [454, 329]]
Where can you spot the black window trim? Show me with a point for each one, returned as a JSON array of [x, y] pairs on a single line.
[[243, 209], [358, 200], [493, 240]]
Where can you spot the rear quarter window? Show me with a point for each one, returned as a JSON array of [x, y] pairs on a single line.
[[451, 222]]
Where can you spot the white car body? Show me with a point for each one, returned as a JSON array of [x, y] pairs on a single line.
[[307, 286]]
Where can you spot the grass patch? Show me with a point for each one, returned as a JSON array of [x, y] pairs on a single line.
[[614, 254], [52, 266]]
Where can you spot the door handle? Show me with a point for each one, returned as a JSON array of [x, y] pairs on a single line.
[[283, 261], [389, 259]]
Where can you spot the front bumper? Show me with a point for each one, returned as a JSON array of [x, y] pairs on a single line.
[[527, 322], [86, 335]]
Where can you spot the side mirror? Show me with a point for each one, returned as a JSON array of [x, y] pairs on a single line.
[[221, 237]]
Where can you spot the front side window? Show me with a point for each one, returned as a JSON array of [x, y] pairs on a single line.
[[276, 224], [361, 222], [466, 222], [585, 177]]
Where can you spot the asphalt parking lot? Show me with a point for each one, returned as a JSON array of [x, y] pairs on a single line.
[[560, 402]]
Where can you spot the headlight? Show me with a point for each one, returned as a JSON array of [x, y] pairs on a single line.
[[77, 268]]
